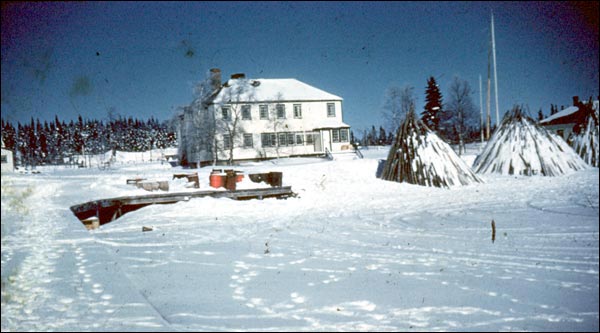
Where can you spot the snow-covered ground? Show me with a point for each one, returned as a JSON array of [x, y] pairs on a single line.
[[351, 252]]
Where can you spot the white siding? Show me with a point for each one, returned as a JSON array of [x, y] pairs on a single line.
[[8, 163], [314, 120]]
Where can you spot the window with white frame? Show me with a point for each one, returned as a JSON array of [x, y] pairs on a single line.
[[268, 139], [335, 135], [344, 135], [280, 111], [248, 142], [226, 112], [298, 111], [264, 111], [286, 139], [282, 139], [330, 109], [246, 114], [226, 141]]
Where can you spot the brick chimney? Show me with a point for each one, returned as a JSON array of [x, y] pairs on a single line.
[[575, 100], [215, 78]]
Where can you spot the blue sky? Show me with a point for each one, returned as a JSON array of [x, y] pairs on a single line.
[[142, 59]]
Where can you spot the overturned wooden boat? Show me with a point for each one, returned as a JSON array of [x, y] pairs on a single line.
[[97, 212]]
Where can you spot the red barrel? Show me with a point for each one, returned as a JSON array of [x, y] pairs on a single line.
[[239, 176], [216, 178]]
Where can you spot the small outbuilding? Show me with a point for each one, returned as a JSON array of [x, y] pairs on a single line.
[[8, 162]]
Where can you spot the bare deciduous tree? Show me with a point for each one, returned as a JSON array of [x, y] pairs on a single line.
[[462, 111], [229, 115], [276, 120], [196, 125], [398, 102], [203, 120]]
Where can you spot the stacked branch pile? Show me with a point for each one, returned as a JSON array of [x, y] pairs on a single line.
[[585, 139], [521, 147], [418, 156]]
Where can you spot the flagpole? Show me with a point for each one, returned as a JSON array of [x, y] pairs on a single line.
[[488, 120], [481, 107], [495, 73]]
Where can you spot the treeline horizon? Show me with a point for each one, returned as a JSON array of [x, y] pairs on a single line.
[[57, 142]]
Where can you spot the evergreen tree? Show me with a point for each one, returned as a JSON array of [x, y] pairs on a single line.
[[53, 147], [390, 138], [22, 141], [9, 135], [33, 144], [382, 137], [433, 105], [540, 114], [76, 141], [373, 134]]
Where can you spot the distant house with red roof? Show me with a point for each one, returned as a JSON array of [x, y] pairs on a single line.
[[569, 120]]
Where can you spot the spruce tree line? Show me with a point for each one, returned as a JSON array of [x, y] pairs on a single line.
[[376, 138], [54, 142]]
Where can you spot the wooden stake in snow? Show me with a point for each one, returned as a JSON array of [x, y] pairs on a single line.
[[419, 156], [493, 231]]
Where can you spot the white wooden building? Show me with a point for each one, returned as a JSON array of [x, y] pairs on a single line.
[[8, 163], [262, 119]]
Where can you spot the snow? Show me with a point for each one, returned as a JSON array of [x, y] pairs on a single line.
[[273, 90], [349, 253], [329, 123]]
